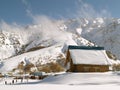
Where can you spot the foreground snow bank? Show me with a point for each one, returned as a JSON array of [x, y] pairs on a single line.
[[70, 81], [107, 78], [57, 87]]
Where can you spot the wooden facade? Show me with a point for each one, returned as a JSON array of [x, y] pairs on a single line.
[[89, 68], [84, 67]]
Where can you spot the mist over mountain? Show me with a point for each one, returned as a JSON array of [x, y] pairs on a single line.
[[47, 39]]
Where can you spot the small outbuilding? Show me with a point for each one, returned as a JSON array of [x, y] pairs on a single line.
[[87, 59]]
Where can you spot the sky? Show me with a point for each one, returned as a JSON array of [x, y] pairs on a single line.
[[22, 11]]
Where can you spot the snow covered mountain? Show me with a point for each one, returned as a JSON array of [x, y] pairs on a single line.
[[36, 44], [100, 31], [104, 34], [47, 41], [10, 44]]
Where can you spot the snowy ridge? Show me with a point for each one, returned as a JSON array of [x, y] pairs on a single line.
[[44, 56], [107, 35], [10, 44], [41, 45], [101, 31], [50, 38]]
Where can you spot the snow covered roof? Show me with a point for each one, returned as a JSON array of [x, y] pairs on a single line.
[[88, 55]]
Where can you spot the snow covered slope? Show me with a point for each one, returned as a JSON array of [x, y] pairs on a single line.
[[39, 42], [10, 44], [101, 31], [44, 56], [49, 38], [68, 81], [106, 35], [83, 79]]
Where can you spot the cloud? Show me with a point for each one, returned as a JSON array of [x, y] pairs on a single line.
[[85, 10], [105, 12], [42, 28], [25, 2], [28, 8], [15, 28], [46, 26]]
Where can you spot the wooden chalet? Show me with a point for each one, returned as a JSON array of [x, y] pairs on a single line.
[[87, 59]]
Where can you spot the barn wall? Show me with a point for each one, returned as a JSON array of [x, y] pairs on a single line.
[[89, 68], [84, 67]]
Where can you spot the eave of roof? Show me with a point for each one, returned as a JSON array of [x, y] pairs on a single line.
[[86, 47]]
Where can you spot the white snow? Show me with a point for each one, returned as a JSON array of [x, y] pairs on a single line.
[[56, 36], [107, 78], [79, 30], [69, 81], [96, 57], [100, 20], [105, 32], [57, 87], [118, 21], [54, 46], [45, 55]]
